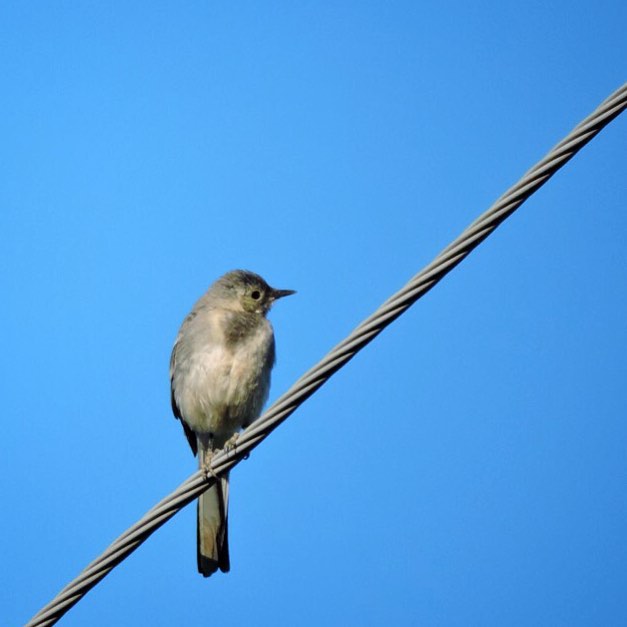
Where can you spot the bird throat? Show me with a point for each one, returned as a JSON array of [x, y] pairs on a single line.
[[240, 326]]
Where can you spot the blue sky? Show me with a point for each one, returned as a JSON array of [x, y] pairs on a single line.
[[334, 148]]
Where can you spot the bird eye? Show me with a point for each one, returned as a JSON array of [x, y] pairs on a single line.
[[256, 294]]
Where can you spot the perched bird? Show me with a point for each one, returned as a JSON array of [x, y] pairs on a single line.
[[220, 379]]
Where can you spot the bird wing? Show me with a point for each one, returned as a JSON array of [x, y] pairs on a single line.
[[189, 434]]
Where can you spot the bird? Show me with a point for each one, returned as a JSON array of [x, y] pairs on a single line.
[[219, 380]]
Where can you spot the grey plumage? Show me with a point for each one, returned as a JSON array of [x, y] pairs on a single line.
[[220, 379]]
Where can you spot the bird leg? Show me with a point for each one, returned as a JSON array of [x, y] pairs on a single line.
[[206, 455]]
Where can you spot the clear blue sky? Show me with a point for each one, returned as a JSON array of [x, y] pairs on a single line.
[[335, 148]]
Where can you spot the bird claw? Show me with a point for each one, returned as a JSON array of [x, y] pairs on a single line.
[[206, 466], [231, 443]]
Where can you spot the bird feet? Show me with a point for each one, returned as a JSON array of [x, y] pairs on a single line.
[[231, 443], [206, 465]]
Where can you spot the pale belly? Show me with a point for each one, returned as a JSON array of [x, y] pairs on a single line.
[[223, 389]]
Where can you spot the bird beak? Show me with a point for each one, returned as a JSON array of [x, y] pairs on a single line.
[[276, 294]]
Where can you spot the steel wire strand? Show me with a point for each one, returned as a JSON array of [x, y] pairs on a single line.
[[314, 378]]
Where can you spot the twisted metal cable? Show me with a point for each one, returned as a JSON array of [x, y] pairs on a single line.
[[313, 379]]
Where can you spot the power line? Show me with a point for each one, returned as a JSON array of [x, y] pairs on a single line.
[[314, 378]]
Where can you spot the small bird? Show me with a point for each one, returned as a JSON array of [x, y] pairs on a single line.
[[220, 379]]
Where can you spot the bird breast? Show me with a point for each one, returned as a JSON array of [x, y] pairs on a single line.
[[224, 384]]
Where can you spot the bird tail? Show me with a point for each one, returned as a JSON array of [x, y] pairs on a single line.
[[213, 535]]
